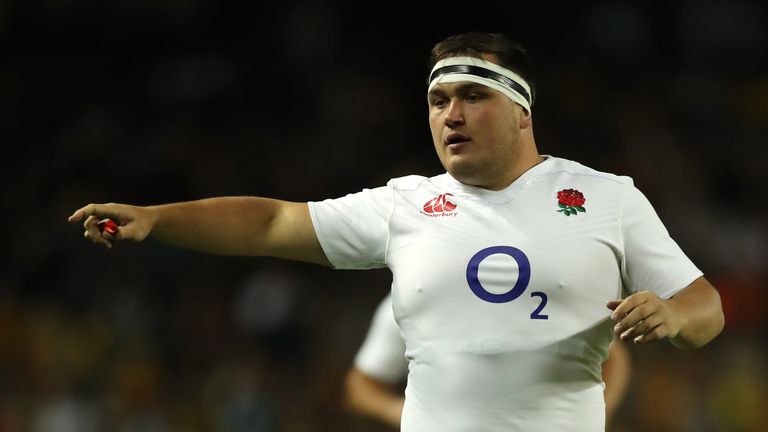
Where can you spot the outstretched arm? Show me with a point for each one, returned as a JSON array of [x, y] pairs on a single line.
[[249, 226], [690, 319]]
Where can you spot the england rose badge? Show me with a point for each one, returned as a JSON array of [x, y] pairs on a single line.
[[571, 202]]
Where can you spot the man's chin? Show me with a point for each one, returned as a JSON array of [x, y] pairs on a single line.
[[465, 174]]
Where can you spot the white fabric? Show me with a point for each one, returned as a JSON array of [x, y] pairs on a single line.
[[382, 353], [474, 61], [475, 365]]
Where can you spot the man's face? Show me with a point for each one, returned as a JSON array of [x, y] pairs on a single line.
[[476, 131]]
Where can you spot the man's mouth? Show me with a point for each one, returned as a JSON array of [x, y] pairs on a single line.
[[455, 138]]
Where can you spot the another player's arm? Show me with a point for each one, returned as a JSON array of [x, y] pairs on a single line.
[[617, 370], [246, 226], [368, 396], [690, 319]]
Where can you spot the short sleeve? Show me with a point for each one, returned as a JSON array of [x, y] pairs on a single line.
[[382, 354], [652, 259], [353, 230]]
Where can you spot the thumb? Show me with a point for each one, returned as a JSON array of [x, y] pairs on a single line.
[[613, 304], [131, 230]]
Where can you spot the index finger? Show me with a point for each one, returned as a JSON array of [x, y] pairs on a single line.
[[627, 306], [78, 215], [97, 210]]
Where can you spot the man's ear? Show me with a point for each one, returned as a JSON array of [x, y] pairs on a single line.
[[525, 118]]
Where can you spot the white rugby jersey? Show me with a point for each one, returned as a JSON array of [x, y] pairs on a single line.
[[381, 354], [500, 295]]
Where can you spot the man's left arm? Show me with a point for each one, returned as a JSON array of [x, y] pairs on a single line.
[[689, 319]]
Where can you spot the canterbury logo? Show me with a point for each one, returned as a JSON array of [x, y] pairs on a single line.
[[441, 205]]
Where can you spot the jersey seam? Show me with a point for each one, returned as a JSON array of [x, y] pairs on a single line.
[[620, 225], [609, 177], [398, 187], [394, 187], [389, 226]]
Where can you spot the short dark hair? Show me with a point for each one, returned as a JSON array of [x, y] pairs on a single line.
[[511, 55]]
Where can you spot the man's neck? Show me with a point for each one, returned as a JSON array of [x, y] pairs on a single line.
[[520, 168]]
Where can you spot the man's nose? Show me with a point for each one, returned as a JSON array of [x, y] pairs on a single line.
[[454, 115]]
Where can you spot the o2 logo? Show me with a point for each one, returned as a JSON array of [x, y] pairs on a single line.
[[523, 278]]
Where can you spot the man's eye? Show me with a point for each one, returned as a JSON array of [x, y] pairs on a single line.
[[438, 103], [474, 97]]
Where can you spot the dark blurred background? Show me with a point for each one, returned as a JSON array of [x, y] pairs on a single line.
[[147, 102]]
